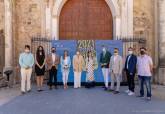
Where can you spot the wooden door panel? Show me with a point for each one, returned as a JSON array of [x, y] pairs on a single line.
[[86, 19]]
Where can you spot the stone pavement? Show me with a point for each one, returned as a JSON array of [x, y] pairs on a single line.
[[77, 101]]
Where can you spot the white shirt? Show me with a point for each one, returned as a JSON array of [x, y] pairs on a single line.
[[66, 61], [143, 65], [115, 57], [129, 56], [53, 57]]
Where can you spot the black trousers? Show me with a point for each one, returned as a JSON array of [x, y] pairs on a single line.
[[130, 80], [52, 77]]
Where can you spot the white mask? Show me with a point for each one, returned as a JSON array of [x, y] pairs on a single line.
[[78, 53], [27, 51], [104, 50], [130, 52]]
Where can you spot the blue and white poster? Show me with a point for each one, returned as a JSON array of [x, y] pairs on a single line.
[[84, 46]]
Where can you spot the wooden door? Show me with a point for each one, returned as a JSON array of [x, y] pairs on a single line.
[[86, 20]]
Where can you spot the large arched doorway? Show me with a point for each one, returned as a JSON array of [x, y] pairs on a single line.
[[85, 19]]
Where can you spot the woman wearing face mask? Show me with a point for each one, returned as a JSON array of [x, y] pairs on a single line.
[[91, 65], [65, 67], [130, 69], [40, 67], [78, 63]]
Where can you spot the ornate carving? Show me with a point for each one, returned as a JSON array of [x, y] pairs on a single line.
[[142, 22]]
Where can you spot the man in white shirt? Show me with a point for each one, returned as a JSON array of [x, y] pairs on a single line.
[[145, 68]]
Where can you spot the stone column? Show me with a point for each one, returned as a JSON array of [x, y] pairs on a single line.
[[55, 27], [8, 34], [126, 17], [48, 20], [43, 17], [161, 25]]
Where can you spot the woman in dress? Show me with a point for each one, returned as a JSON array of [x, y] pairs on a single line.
[[91, 65], [40, 67], [65, 66]]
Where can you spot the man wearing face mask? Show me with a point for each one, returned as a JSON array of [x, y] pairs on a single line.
[[26, 61], [78, 63], [53, 61], [145, 69], [104, 62], [130, 69], [116, 66]]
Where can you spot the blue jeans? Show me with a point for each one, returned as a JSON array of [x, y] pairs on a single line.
[[147, 81]]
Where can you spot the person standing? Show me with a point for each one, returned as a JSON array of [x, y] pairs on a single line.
[[130, 69], [78, 63], [26, 61], [116, 66], [104, 61], [40, 67], [91, 65], [145, 69], [53, 61], [65, 67]]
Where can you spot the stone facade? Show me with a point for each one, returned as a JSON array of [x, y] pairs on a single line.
[[144, 22], [2, 12], [28, 22], [161, 33], [41, 17]]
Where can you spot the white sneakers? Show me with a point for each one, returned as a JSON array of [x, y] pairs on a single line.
[[130, 93], [127, 91]]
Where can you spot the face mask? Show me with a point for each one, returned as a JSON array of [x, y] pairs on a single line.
[[53, 51], [27, 51], [115, 53], [78, 53], [142, 52], [104, 49], [130, 52]]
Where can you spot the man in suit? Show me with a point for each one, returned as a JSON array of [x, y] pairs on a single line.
[[116, 66], [53, 61], [78, 63], [130, 68], [104, 62]]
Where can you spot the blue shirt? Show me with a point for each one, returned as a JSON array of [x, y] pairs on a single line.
[[26, 60]]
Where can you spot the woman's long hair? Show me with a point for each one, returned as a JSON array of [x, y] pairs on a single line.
[[40, 58], [88, 55], [64, 54]]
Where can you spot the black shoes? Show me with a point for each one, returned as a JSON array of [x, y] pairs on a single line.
[[116, 92], [22, 92], [105, 88]]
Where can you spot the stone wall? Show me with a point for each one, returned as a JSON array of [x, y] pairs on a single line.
[[1, 35], [2, 14], [144, 22], [28, 23]]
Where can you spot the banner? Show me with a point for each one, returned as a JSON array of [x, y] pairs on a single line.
[[84, 46]]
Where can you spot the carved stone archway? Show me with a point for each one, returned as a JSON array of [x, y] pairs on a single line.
[[113, 5]]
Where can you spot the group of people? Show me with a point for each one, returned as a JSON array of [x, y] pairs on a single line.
[[110, 64]]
